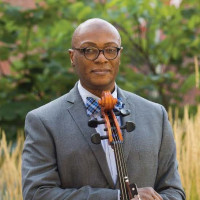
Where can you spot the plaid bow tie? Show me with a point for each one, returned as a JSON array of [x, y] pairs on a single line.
[[93, 106]]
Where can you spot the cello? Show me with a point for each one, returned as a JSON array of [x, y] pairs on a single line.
[[115, 139]]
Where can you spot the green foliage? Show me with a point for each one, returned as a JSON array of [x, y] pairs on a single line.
[[35, 42]]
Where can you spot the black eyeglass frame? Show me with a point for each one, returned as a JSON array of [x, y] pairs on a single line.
[[100, 50]]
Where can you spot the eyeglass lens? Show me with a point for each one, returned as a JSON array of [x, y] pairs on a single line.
[[92, 53]]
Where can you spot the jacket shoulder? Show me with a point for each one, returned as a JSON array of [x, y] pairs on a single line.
[[142, 103]]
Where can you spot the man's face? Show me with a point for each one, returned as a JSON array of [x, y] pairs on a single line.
[[99, 74]]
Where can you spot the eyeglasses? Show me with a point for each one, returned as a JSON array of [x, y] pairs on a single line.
[[92, 53]]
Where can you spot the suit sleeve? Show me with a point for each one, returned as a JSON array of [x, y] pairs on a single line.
[[40, 176], [168, 183]]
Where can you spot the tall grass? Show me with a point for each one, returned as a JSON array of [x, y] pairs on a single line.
[[10, 169], [187, 136]]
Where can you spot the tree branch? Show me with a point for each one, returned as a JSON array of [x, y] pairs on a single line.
[[139, 48]]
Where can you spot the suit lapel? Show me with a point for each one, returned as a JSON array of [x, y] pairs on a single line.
[[78, 113]]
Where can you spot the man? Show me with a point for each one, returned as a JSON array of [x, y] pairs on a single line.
[[59, 160]]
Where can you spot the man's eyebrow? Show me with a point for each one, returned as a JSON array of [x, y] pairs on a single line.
[[94, 44], [111, 43], [88, 43]]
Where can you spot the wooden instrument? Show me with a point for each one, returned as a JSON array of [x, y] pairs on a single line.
[[115, 139]]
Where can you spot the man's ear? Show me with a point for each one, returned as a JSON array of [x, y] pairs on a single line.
[[71, 54], [120, 54]]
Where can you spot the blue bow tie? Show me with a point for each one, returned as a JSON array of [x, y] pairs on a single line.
[[93, 106]]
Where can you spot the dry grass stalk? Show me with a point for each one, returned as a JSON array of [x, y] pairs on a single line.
[[187, 137], [10, 169]]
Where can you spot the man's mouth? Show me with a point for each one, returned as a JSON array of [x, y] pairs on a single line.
[[100, 71]]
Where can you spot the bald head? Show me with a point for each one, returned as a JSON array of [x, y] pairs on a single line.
[[97, 73], [93, 25]]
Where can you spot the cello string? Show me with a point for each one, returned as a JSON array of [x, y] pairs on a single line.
[[122, 186], [120, 161], [123, 158], [117, 157], [120, 170], [121, 151]]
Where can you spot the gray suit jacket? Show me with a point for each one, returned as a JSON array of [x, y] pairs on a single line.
[[60, 162]]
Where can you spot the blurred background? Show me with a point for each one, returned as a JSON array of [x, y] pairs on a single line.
[[160, 62]]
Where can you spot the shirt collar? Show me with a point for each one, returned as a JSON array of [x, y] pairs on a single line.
[[85, 93]]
